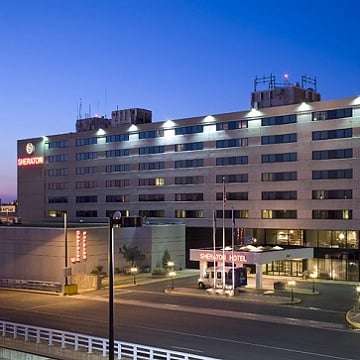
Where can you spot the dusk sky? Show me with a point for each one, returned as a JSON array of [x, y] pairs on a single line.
[[178, 58]]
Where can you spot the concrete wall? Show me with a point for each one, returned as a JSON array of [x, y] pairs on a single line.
[[32, 253]]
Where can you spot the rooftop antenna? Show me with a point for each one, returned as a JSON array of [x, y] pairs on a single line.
[[309, 80], [80, 109], [105, 102]]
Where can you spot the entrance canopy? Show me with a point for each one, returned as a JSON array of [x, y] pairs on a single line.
[[250, 255]]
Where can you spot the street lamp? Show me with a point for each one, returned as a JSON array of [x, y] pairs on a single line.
[[172, 273], [313, 275], [292, 284], [134, 271], [114, 221]]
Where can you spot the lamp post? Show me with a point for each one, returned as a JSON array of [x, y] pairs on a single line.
[[172, 273], [114, 221], [134, 271], [65, 246], [292, 284], [313, 275]]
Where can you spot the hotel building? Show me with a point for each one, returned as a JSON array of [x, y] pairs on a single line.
[[285, 172]]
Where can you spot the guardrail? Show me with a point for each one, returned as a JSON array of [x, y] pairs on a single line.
[[90, 344], [48, 286]]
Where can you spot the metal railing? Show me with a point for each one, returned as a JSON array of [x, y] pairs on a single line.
[[90, 344]]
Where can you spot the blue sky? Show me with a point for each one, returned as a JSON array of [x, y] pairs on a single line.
[[178, 58]]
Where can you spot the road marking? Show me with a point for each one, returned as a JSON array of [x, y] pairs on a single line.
[[240, 315], [187, 349], [271, 347]]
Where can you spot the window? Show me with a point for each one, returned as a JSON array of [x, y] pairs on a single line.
[[279, 176], [331, 114], [279, 195], [332, 154], [232, 160], [58, 186], [273, 158], [151, 182], [151, 134], [189, 213], [332, 194], [278, 139], [189, 146], [189, 197], [158, 165], [189, 130], [187, 180], [86, 156], [85, 184], [58, 144], [232, 125], [228, 214], [85, 170], [117, 138], [117, 198], [58, 158], [86, 141], [117, 153], [232, 196], [58, 172], [151, 197], [332, 134], [151, 150], [278, 214], [86, 199], [220, 144], [152, 213], [332, 174], [189, 163], [86, 213], [117, 168], [332, 214], [234, 178], [117, 183], [57, 199], [279, 120]]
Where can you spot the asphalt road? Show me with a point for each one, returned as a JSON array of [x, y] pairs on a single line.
[[190, 321]]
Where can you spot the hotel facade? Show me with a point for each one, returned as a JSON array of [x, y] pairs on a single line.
[[286, 172]]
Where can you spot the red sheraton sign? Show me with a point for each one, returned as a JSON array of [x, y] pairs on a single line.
[[30, 161]]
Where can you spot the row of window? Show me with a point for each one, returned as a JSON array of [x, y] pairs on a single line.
[[184, 180], [229, 125], [235, 160], [232, 196], [236, 214]]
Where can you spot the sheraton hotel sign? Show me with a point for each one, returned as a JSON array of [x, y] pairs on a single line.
[[30, 160]]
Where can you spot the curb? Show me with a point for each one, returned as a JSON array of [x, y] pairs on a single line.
[[350, 321]]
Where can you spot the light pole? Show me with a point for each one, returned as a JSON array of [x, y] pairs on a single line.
[[292, 284], [114, 221], [65, 246], [134, 271], [313, 275], [172, 273]]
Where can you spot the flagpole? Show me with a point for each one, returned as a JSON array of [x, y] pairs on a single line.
[[232, 247], [214, 244], [223, 234]]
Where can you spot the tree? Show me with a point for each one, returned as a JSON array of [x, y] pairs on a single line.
[[166, 258], [132, 254]]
